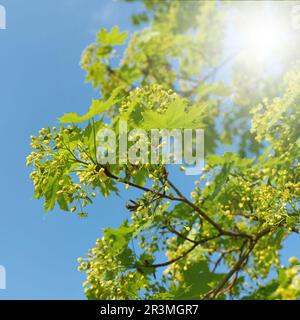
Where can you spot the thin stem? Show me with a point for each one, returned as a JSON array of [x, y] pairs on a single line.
[[164, 264]]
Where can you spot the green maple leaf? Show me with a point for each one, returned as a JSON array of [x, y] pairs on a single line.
[[97, 107], [111, 38], [175, 117], [197, 280]]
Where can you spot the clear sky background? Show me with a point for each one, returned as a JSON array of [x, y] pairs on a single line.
[[40, 79]]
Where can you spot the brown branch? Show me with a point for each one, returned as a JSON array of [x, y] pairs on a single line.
[[160, 195], [205, 216], [164, 264], [172, 230], [221, 232], [233, 281], [216, 264], [213, 293], [182, 198], [222, 255], [242, 261]]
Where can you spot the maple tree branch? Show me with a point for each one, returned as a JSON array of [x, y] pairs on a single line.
[[164, 264]]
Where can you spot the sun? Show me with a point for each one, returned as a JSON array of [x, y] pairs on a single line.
[[263, 37]]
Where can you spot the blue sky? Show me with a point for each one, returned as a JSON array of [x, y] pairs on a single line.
[[40, 78]]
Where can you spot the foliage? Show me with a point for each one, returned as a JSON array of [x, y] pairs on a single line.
[[222, 241]]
